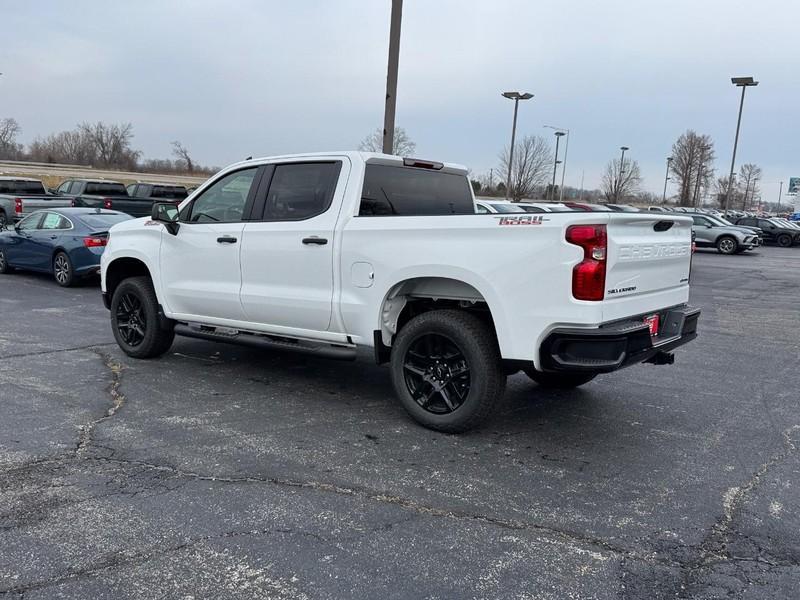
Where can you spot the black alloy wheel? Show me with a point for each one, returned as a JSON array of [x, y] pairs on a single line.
[[131, 319], [437, 373]]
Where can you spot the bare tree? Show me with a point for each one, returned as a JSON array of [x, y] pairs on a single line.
[[692, 165], [721, 186], [182, 154], [401, 146], [617, 183], [9, 130], [532, 161], [749, 175], [112, 143]]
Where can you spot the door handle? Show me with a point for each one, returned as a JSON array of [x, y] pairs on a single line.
[[315, 240], [52, 237], [226, 239]]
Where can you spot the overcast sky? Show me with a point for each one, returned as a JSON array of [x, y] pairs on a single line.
[[239, 78]]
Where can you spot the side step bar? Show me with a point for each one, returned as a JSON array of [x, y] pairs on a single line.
[[266, 341]]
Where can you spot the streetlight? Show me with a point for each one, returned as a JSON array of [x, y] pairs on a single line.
[[744, 83], [566, 153], [621, 171], [666, 179], [780, 193], [516, 97], [558, 135]]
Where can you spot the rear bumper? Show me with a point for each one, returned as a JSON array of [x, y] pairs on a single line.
[[617, 345]]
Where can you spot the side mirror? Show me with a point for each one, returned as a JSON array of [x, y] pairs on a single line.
[[166, 213]]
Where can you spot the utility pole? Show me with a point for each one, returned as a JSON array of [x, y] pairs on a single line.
[[780, 193], [391, 76], [580, 197]]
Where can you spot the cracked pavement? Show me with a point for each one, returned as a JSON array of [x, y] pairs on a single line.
[[226, 472]]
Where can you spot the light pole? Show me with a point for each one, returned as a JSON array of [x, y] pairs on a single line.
[[391, 76], [566, 154], [516, 97], [552, 194], [621, 172], [780, 193], [744, 83], [666, 179]]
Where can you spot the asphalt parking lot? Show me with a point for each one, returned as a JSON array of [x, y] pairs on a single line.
[[225, 472]]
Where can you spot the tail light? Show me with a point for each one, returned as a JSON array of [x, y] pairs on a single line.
[[18, 205], [589, 275], [95, 242], [107, 203]]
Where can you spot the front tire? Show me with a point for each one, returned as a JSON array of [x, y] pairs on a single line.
[[446, 370], [563, 381], [135, 320], [63, 272], [727, 244], [784, 241]]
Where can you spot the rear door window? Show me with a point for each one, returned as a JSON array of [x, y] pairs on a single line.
[[54, 221], [300, 191], [409, 191]]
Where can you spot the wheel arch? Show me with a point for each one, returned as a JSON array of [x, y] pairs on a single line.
[[417, 294], [122, 268]]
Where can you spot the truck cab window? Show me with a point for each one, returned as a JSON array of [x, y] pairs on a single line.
[[224, 201], [408, 191], [300, 191]]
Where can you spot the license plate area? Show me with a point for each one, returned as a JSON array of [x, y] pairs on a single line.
[[653, 322]]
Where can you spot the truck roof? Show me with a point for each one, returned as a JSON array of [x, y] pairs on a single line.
[[368, 157], [160, 183], [93, 180]]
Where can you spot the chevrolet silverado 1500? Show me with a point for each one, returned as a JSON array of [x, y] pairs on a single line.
[[328, 253]]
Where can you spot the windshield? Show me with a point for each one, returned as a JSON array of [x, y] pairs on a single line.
[[103, 221], [718, 220]]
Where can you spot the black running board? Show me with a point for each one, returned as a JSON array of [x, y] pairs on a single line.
[[267, 341]]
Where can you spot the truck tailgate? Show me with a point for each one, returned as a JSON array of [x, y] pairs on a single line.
[[647, 254]]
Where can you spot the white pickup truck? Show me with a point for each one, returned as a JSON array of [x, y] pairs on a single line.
[[329, 253]]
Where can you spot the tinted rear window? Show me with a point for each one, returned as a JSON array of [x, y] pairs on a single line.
[[102, 222], [160, 191], [105, 189], [23, 188], [410, 191]]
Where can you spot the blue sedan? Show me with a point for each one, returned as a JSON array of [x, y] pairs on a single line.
[[65, 242]]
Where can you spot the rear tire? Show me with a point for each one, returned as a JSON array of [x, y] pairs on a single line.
[[446, 370], [63, 272], [784, 241], [727, 244], [564, 381], [135, 320], [3, 219], [4, 266]]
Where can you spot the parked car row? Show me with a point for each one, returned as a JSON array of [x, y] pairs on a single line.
[[21, 196], [734, 234]]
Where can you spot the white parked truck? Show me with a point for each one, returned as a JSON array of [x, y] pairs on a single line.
[[329, 253]]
